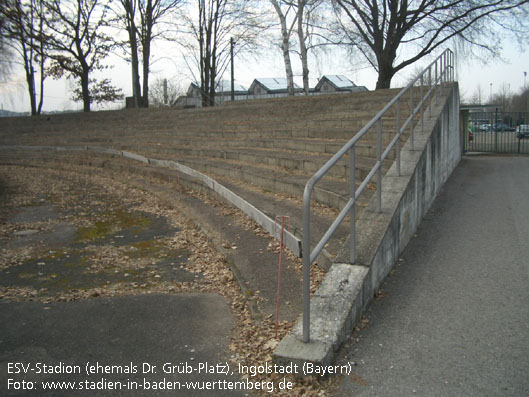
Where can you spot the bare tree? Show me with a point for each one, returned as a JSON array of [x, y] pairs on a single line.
[[129, 20], [22, 32], [152, 12], [304, 13], [477, 97], [5, 65], [520, 102], [286, 32], [141, 19], [77, 46], [379, 29], [164, 93], [216, 23]]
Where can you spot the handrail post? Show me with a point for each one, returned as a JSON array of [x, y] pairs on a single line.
[[442, 68], [447, 66], [379, 172], [412, 113], [306, 269], [448, 71], [352, 192], [453, 66], [422, 103], [431, 84], [398, 137], [435, 82]]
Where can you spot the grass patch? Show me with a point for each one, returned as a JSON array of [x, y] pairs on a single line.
[[112, 222]]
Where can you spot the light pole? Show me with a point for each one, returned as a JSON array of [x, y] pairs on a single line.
[[525, 89]]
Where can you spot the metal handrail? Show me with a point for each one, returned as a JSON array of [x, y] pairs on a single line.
[[443, 67]]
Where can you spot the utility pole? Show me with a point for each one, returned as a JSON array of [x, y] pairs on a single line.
[[232, 71]]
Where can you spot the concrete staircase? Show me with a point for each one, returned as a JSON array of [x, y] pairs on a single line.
[[263, 150]]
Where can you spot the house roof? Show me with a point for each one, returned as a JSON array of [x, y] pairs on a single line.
[[273, 84], [339, 81], [359, 88], [225, 86]]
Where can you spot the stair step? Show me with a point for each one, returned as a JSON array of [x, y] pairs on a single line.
[[329, 191]]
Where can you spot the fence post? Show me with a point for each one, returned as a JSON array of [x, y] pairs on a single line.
[[494, 128]]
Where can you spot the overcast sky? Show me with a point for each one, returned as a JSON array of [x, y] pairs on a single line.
[[470, 72]]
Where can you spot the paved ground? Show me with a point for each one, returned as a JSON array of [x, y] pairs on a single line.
[[453, 319], [86, 278], [135, 332], [96, 270]]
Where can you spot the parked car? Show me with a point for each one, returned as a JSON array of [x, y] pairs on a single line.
[[484, 127], [522, 131], [503, 127]]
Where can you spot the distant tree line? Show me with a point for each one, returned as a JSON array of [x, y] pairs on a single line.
[[509, 101], [73, 38]]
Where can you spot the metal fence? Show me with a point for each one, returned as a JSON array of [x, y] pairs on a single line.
[[422, 89], [495, 131]]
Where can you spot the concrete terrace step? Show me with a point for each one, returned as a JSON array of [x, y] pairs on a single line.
[[271, 203], [275, 205], [323, 129], [283, 159], [297, 107], [241, 121], [278, 142], [344, 132], [312, 145], [330, 191], [316, 101]]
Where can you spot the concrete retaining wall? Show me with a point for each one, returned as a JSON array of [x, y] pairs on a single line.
[[347, 290]]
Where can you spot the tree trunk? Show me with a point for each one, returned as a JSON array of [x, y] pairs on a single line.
[[136, 88], [41, 98], [41, 61], [285, 47], [146, 60], [134, 59], [30, 79], [303, 48], [385, 72], [146, 46], [85, 91]]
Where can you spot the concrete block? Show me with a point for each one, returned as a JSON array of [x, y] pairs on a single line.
[[335, 307], [293, 350]]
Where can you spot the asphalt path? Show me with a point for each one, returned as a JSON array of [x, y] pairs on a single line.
[[143, 345], [453, 317]]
